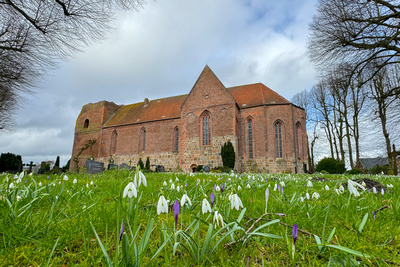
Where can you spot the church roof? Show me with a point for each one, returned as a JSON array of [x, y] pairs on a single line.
[[168, 108], [255, 94], [159, 109]]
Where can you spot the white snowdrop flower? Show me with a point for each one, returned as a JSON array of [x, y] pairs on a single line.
[[15, 177], [75, 181], [337, 191], [352, 187], [176, 179], [191, 174], [239, 188], [232, 174], [269, 185], [130, 190], [18, 181], [185, 199], [65, 178], [282, 183], [139, 179], [84, 207], [236, 202], [18, 198], [11, 186], [382, 191], [275, 187], [315, 195], [53, 184], [307, 195], [204, 180], [326, 187], [302, 199], [229, 179], [165, 183], [170, 181], [168, 201], [172, 186], [341, 189], [248, 186], [363, 184], [309, 184], [56, 197], [91, 182], [389, 185], [59, 182], [205, 207], [217, 188], [178, 188], [21, 175], [218, 219], [87, 185], [40, 183], [374, 190], [162, 206]]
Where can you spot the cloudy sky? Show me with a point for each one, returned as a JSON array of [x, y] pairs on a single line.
[[159, 51]]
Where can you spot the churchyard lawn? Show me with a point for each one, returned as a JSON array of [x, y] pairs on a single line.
[[176, 219]]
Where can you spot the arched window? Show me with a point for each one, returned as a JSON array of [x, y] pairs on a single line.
[[86, 123], [113, 147], [142, 140], [176, 139], [250, 137], [278, 139], [206, 128], [299, 141]]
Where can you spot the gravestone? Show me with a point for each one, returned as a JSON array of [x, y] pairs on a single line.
[[42, 169], [123, 166], [160, 168], [93, 167], [112, 166], [206, 168]]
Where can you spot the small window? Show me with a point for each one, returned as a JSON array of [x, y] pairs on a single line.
[[113, 147], [86, 123]]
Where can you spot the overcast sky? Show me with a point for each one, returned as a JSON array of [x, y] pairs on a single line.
[[159, 51]]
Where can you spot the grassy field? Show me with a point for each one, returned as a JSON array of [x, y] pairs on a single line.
[[84, 220]]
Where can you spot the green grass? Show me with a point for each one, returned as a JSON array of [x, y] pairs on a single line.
[[78, 224]]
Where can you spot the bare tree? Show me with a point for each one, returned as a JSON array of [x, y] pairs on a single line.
[[35, 35], [357, 31]]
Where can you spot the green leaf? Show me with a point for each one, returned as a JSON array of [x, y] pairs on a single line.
[[363, 222], [318, 240], [109, 263], [331, 235], [241, 215], [207, 240], [52, 251], [348, 250], [126, 249]]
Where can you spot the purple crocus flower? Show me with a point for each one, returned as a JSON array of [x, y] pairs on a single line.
[[281, 190], [266, 180], [186, 184], [294, 233], [48, 177], [374, 215], [215, 187], [176, 213], [26, 181], [122, 231], [222, 188], [212, 199]]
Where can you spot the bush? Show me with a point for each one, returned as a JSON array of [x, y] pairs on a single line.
[[355, 171], [378, 169], [221, 169], [141, 164], [147, 164], [10, 162], [331, 166], [228, 155], [199, 168]]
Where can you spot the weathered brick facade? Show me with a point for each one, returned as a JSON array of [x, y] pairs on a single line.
[[267, 131]]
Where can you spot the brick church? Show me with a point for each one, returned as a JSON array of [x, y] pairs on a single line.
[[268, 132]]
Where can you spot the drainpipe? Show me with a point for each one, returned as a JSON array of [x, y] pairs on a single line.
[[294, 140]]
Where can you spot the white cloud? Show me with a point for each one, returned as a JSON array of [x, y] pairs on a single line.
[[159, 52]]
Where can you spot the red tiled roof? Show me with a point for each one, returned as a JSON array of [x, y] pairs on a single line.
[[255, 94], [167, 108], [159, 109]]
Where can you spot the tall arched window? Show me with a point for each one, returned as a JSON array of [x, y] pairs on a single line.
[[250, 137], [299, 141], [278, 139], [113, 147], [86, 123], [142, 140], [206, 128], [176, 139]]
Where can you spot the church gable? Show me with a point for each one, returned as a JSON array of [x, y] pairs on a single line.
[[208, 91]]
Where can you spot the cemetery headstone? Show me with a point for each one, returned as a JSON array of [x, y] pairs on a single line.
[[112, 166], [160, 168], [206, 168], [93, 167], [123, 166], [42, 169]]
